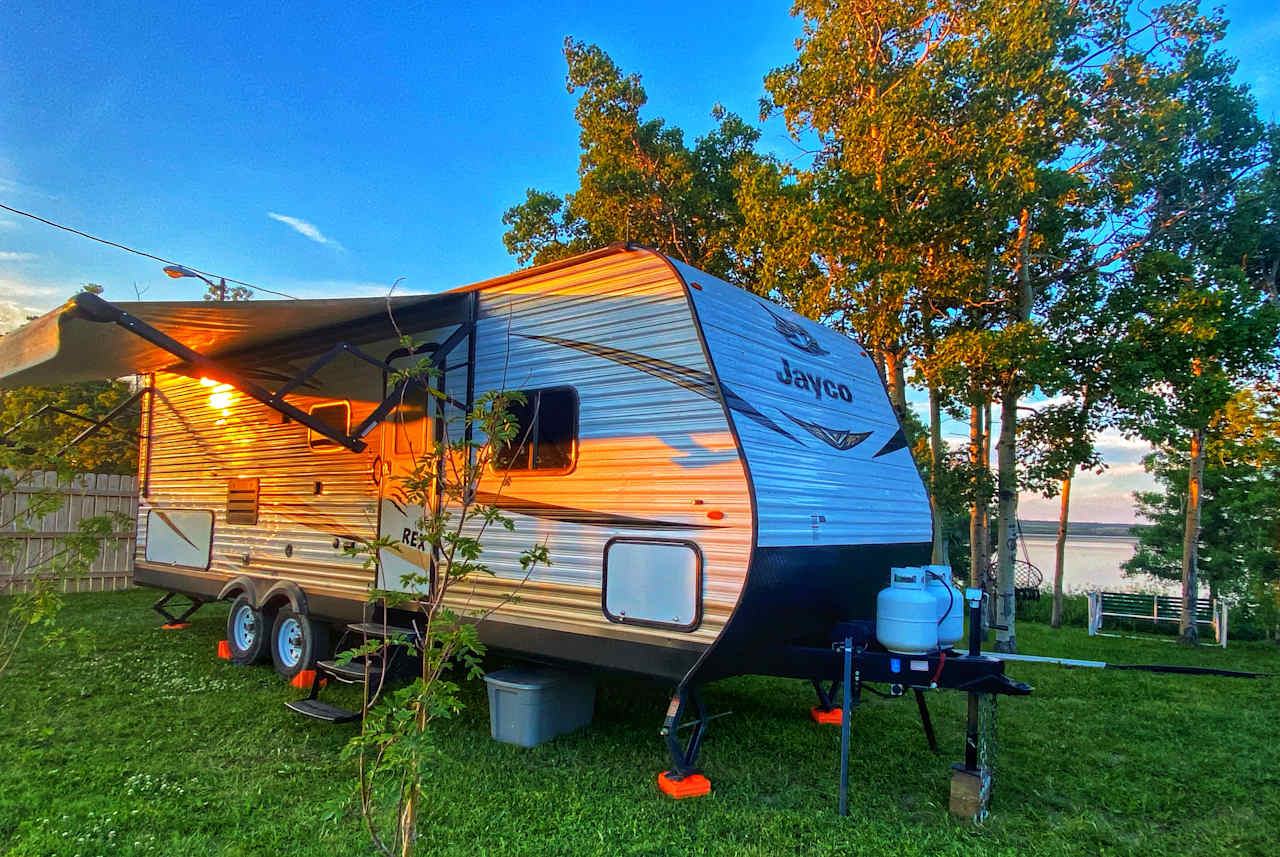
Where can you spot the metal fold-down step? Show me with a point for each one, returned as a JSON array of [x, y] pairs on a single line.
[[377, 629], [351, 672], [322, 710]]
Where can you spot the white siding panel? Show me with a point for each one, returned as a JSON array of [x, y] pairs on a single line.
[[196, 449]]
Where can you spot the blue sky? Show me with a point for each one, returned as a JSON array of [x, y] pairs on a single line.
[[330, 149]]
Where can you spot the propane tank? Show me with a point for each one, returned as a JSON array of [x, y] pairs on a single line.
[[907, 615], [950, 604]]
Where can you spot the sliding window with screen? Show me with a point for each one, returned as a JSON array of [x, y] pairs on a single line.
[[546, 440]]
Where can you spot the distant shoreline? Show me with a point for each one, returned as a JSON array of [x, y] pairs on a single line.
[[1089, 529]]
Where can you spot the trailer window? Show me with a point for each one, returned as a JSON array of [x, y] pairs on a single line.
[[547, 437], [408, 426], [336, 415]]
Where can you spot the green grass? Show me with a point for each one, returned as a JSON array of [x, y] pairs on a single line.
[[152, 746]]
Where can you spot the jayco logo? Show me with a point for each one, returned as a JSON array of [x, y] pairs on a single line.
[[814, 383]]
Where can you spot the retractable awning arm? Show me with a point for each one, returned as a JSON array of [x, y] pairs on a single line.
[[96, 309]]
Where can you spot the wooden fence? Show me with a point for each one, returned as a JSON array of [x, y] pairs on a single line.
[[87, 495]]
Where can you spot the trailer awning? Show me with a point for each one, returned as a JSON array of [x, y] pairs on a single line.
[[84, 339]]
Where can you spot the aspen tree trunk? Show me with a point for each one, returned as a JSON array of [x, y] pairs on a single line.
[[1055, 621], [1007, 455], [977, 509], [986, 501], [939, 556], [1187, 632], [1006, 532], [895, 376]]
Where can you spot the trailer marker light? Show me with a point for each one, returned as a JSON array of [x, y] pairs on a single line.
[[715, 515], [895, 665]]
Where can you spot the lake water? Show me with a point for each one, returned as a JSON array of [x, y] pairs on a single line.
[[1092, 562]]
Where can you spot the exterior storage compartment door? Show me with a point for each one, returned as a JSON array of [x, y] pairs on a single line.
[[179, 537], [655, 582]]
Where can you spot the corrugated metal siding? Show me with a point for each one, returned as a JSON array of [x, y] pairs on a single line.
[[648, 448], [197, 448], [798, 478]]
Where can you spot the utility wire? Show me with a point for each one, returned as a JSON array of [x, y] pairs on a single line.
[[141, 253]]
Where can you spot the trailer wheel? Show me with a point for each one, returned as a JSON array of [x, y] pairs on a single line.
[[247, 628], [297, 641]]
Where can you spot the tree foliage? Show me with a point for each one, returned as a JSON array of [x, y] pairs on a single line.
[[36, 577], [1239, 537], [114, 449], [1062, 198], [638, 180]]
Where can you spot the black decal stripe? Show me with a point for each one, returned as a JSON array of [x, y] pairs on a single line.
[[571, 515], [690, 379], [895, 443], [838, 438], [742, 406]]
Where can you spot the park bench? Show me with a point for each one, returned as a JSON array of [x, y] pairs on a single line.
[[1155, 608]]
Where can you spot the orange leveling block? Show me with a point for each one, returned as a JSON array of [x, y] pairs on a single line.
[[176, 626], [224, 650], [690, 785], [305, 679], [832, 716]]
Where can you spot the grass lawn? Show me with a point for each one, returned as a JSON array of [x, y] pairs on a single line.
[[150, 745]]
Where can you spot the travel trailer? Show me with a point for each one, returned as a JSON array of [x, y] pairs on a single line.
[[722, 484]]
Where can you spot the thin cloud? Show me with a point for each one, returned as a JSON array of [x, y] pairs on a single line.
[[305, 229], [13, 315], [11, 256], [46, 293]]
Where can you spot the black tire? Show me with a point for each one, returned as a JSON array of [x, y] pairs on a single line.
[[297, 642], [247, 629]]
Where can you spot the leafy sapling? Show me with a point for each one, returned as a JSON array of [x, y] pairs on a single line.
[[395, 746]]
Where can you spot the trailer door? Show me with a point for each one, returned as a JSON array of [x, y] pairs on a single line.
[[417, 427]]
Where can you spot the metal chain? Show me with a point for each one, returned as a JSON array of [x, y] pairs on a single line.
[[988, 736]]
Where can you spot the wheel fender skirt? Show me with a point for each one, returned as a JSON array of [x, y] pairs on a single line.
[[236, 585], [289, 591]]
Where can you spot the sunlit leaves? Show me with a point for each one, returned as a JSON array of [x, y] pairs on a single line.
[[395, 748]]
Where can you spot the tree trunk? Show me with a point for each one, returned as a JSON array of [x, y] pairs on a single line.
[[408, 823], [939, 556], [977, 509], [1055, 621], [1006, 528], [1007, 455], [895, 376], [1187, 632]]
